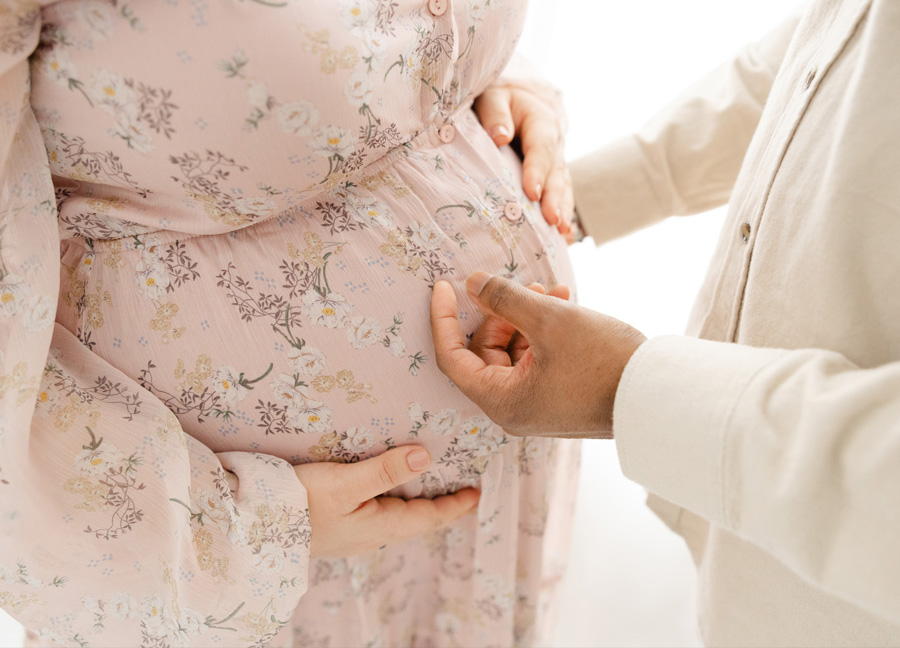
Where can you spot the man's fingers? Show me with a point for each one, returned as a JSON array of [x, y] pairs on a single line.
[[491, 341], [493, 109], [450, 351], [523, 308], [372, 477], [397, 520]]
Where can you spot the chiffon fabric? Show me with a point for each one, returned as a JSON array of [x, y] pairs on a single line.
[[221, 224]]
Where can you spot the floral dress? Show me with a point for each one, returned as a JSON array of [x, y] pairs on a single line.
[[220, 224]]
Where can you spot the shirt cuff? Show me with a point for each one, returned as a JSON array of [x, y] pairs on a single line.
[[672, 414], [613, 192]]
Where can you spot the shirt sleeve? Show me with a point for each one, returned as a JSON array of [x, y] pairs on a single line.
[[795, 451], [116, 528], [686, 158]]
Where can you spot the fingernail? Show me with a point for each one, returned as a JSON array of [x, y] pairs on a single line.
[[499, 131], [418, 459], [538, 189], [475, 282], [554, 214]]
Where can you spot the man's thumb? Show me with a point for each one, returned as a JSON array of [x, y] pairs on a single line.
[[525, 309]]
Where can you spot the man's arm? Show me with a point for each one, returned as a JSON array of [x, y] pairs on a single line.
[[796, 451], [685, 159]]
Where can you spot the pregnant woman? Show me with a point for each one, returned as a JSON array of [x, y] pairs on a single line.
[[253, 201]]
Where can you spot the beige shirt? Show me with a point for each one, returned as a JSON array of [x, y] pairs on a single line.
[[783, 449]]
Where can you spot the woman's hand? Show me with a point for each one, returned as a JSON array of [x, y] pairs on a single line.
[[347, 515], [535, 115]]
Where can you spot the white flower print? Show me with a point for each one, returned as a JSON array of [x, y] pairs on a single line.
[[359, 439], [153, 615], [375, 43], [39, 312], [363, 332], [298, 118], [446, 623], [308, 361], [480, 435], [397, 346], [51, 635], [152, 278], [475, 12], [427, 235], [136, 134], [270, 559], [222, 512], [260, 206], [290, 394], [151, 248], [226, 385], [13, 292], [310, 416], [92, 605], [48, 396], [122, 606], [416, 412], [94, 463], [57, 64], [444, 422], [355, 14], [370, 210], [110, 92], [180, 631], [258, 94], [333, 140], [330, 311], [190, 621], [358, 89], [97, 18], [411, 62]]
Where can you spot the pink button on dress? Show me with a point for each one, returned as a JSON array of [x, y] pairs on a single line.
[[254, 202]]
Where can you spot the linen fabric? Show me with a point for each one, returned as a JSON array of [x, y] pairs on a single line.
[[221, 224], [770, 436]]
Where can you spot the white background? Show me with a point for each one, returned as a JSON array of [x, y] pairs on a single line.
[[630, 582]]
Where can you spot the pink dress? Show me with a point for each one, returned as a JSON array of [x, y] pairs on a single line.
[[252, 203]]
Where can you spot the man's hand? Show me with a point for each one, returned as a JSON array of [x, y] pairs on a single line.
[[506, 111], [347, 515], [560, 381]]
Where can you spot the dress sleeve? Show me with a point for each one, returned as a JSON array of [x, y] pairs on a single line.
[[116, 528], [795, 451], [686, 158]]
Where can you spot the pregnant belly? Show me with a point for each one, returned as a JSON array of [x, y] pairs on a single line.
[[307, 336]]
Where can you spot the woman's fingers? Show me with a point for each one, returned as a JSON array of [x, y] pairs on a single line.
[[507, 111], [397, 520], [493, 109], [553, 202], [370, 478], [540, 138]]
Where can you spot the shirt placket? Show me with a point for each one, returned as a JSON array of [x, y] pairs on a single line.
[[804, 70]]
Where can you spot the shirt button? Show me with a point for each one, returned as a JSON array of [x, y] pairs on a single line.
[[446, 133], [512, 211], [810, 77], [745, 232], [437, 7]]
